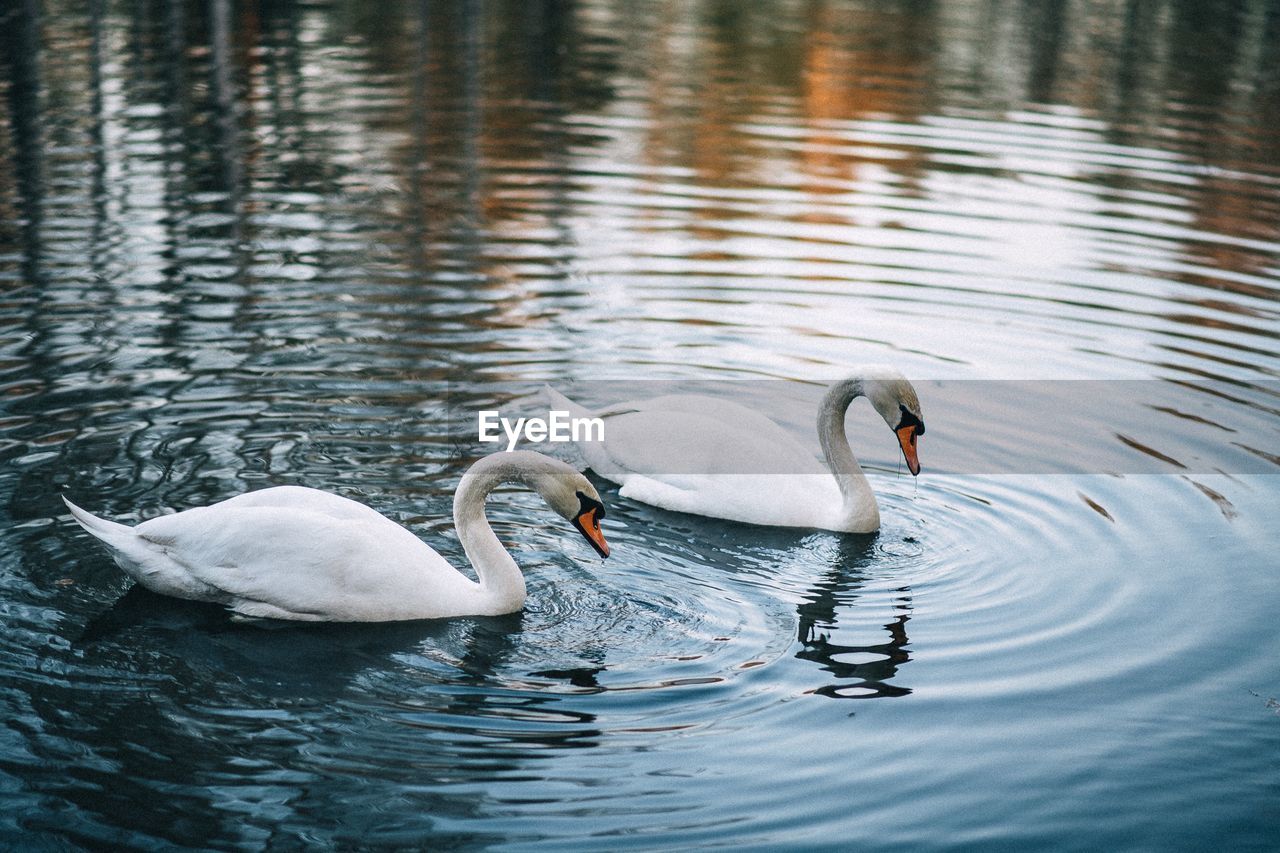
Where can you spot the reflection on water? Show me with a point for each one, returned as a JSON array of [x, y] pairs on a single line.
[[255, 244], [863, 671]]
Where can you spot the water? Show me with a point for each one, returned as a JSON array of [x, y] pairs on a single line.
[[288, 243]]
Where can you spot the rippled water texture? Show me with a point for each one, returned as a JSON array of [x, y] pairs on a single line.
[[245, 244]]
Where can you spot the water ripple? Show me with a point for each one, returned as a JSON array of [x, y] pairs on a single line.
[[248, 247]]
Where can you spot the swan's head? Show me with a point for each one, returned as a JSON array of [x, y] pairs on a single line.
[[571, 495], [561, 485], [896, 401]]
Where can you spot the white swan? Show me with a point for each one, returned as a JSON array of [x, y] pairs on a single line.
[[712, 457], [296, 553]]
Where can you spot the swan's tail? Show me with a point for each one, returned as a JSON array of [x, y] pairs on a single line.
[[558, 401], [128, 549], [144, 557], [110, 532], [571, 453]]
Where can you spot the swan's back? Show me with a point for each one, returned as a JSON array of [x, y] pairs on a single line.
[[294, 498], [709, 456], [689, 434]]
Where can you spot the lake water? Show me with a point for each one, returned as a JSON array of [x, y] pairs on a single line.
[[254, 244]]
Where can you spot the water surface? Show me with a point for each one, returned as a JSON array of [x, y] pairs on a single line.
[[245, 245]]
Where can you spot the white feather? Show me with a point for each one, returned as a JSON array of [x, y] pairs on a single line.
[[297, 553], [713, 457]]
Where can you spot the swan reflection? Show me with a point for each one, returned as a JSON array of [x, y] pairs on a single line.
[[861, 670]]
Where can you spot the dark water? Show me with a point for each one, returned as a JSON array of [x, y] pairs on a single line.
[[251, 244]]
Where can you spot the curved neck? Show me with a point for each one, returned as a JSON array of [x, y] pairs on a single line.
[[858, 497], [501, 581]]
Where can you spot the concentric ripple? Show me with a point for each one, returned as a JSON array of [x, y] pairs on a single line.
[[244, 245]]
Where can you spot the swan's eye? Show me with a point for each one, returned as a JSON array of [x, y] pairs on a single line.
[[909, 419], [586, 505]]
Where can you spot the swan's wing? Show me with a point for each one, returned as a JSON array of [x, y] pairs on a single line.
[[301, 561], [716, 408], [680, 434], [790, 501], [673, 441], [729, 421], [692, 463], [709, 456], [302, 498]]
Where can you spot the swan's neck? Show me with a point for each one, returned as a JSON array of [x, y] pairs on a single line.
[[859, 510], [501, 581]]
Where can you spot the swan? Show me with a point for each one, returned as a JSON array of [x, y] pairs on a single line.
[[291, 552], [691, 453]]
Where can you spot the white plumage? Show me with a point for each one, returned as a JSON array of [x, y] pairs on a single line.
[[298, 553], [713, 457]]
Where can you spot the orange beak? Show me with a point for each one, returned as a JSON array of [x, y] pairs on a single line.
[[588, 524], [907, 438]]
